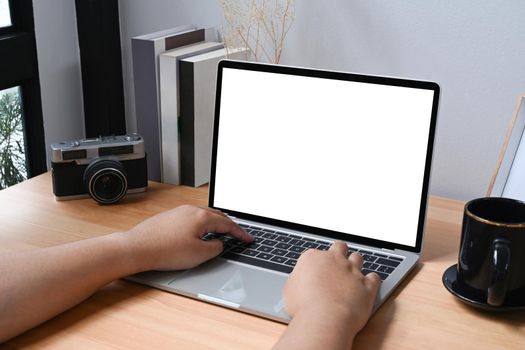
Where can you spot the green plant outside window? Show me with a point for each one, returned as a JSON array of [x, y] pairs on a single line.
[[12, 150]]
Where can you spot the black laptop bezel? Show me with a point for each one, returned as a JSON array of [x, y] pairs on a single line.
[[279, 69]]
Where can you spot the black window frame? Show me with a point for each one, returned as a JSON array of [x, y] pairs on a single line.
[[14, 18], [19, 67], [98, 29]]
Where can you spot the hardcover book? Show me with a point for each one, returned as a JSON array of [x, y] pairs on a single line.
[[169, 105], [145, 51], [198, 80]]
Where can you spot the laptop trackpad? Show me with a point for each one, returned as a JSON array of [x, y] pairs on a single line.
[[237, 286]]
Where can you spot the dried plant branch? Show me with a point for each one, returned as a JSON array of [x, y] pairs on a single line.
[[259, 26]]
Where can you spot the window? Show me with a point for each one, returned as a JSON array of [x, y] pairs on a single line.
[[5, 14], [22, 150], [13, 167]]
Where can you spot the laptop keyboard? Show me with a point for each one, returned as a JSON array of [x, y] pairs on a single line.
[[279, 251]]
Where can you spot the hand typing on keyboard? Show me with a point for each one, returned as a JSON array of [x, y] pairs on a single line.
[[172, 240], [279, 251], [329, 299], [167, 241]]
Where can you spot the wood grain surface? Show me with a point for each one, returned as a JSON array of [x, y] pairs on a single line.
[[420, 315]]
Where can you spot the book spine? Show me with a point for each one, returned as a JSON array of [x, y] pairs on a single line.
[[170, 111], [145, 54], [169, 96], [204, 96], [146, 101], [187, 123]]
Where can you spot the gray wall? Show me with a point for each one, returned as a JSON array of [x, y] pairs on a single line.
[[139, 17], [59, 69], [473, 50]]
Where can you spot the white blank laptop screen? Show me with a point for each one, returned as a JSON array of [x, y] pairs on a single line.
[[333, 154]]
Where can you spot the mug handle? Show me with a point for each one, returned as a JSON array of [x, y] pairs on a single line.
[[500, 267]]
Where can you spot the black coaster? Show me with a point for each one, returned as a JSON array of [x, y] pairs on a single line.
[[478, 298]]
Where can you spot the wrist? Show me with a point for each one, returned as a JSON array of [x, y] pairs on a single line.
[[337, 318], [319, 326], [133, 254], [329, 309]]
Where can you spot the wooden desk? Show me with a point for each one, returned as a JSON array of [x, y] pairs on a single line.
[[420, 315]]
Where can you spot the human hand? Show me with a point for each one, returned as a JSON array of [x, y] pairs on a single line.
[[172, 240], [328, 283], [167, 241]]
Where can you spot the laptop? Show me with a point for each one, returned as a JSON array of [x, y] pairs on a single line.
[[304, 157]]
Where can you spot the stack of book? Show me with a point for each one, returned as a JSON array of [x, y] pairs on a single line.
[[175, 80]]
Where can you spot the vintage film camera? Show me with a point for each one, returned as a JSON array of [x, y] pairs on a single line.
[[105, 168]]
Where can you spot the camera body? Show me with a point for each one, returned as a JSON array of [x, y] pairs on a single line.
[[105, 168]]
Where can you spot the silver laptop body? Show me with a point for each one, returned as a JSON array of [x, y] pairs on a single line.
[[312, 156]]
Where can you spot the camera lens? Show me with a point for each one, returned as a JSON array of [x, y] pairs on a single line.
[[106, 181]]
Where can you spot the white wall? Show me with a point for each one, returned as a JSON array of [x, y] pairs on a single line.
[[473, 50], [59, 69]]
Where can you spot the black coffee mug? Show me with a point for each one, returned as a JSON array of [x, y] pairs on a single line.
[[492, 249]]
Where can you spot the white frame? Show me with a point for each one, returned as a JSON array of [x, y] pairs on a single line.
[[510, 167]]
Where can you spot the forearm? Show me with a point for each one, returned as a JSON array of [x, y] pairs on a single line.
[[40, 284], [318, 329]]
